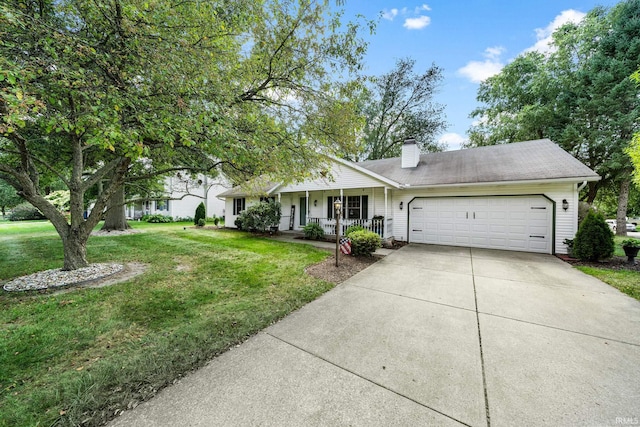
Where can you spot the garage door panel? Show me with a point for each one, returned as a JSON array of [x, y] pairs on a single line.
[[498, 228], [522, 223]]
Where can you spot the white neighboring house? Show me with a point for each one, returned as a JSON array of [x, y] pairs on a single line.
[[183, 197], [521, 196]]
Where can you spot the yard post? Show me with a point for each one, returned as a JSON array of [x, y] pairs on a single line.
[[338, 208]]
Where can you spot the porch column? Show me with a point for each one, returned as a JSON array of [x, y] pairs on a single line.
[[386, 214], [306, 214]]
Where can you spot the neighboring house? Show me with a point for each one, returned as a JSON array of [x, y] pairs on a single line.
[[183, 197], [521, 196]]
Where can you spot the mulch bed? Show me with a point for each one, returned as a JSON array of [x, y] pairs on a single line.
[[347, 266], [615, 263]]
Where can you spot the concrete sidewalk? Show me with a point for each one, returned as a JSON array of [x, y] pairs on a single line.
[[429, 335]]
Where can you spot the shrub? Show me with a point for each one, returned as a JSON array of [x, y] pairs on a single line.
[[364, 242], [239, 222], [184, 219], [216, 221], [201, 222], [201, 213], [260, 217], [313, 231], [630, 243], [25, 212], [157, 218], [61, 199], [594, 239], [353, 228]]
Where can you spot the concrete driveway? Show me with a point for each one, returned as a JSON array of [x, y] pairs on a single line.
[[430, 335]]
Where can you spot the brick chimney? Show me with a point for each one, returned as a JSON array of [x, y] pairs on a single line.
[[410, 153]]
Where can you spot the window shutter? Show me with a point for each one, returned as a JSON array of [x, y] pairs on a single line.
[[330, 207], [365, 207]]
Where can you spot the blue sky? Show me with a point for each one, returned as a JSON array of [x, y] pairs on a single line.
[[470, 40]]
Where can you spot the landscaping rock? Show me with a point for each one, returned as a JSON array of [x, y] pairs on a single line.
[[59, 278]]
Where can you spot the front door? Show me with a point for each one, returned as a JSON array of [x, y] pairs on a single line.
[[303, 211]]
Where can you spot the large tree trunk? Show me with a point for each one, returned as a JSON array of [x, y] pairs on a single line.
[[114, 217], [623, 202], [592, 192], [75, 251]]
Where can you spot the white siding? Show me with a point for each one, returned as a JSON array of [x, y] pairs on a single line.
[[340, 176], [184, 195], [186, 206], [566, 222], [229, 217]]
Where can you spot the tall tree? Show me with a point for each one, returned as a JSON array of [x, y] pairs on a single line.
[[579, 95], [399, 105], [90, 89]]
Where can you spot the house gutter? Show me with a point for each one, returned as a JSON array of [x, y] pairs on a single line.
[[584, 180], [581, 186]]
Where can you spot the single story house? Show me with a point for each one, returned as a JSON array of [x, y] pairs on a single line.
[[521, 196]]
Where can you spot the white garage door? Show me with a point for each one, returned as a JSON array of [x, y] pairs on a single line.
[[517, 223]]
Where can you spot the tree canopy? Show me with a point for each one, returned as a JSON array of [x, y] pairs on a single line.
[[399, 105], [579, 95], [91, 89]]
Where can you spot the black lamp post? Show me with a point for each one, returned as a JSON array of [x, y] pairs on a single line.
[[337, 204]]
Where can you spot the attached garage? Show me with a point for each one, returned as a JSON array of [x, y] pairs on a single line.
[[517, 223]]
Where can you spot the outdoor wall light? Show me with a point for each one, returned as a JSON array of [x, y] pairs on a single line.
[[565, 204], [315, 203], [401, 205]]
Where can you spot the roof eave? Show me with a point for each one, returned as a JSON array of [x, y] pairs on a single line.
[[572, 180], [365, 171]]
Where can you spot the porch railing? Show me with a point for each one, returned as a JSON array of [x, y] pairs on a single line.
[[374, 224]]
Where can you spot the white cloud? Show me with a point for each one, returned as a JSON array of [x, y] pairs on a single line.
[[544, 35], [494, 52], [479, 71], [417, 23], [453, 140], [422, 8], [389, 14]]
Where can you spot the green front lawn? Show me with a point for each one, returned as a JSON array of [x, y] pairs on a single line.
[[79, 357], [624, 280], [627, 281]]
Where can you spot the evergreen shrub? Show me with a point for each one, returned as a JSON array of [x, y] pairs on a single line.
[[201, 213], [594, 239]]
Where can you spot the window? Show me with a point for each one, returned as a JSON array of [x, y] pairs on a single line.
[[267, 199], [162, 205], [357, 207], [238, 205], [330, 209], [353, 207]]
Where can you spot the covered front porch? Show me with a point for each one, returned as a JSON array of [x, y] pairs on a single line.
[[377, 225], [369, 208]]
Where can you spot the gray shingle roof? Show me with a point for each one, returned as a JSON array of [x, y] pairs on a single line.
[[522, 161], [256, 187]]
